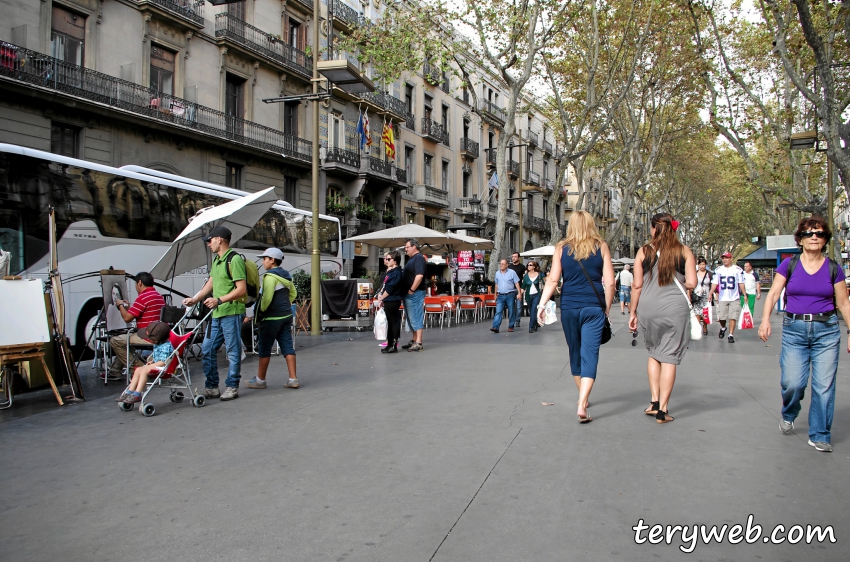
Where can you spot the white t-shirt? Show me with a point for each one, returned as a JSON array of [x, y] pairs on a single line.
[[750, 280], [626, 278], [727, 280]]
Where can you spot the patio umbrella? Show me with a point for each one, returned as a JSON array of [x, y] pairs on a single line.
[[188, 251], [625, 261], [541, 251]]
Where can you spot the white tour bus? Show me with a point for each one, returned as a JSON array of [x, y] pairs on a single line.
[[126, 219]]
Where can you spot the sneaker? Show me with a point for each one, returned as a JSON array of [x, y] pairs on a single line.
[[786, 427], [383, 344], [209, 393], [124, 396], [292, 383], [256, 383], [722, 333], [408, 345], [821, 446], [133, 398], [731, 338], [416, 347], [230, 393]]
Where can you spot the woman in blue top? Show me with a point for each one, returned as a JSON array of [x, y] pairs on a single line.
[[582, 313], [390, 295]]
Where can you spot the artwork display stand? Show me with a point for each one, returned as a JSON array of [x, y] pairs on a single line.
[[15, 354]]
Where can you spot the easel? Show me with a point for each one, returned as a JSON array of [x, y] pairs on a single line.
[[302, 317], [15, 354]]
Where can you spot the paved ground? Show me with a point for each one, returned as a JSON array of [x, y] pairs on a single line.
[[445, 455]]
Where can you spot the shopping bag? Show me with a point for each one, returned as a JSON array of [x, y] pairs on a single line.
[[745, 321], [380, 327], [549, 313], [707, 316]]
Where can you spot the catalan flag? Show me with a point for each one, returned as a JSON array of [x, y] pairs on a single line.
[[389, 140], [366, 128]]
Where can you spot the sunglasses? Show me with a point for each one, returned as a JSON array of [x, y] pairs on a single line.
[[817, 233], [387, 259]]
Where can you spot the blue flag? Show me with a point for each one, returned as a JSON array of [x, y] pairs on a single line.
[[361, 131]]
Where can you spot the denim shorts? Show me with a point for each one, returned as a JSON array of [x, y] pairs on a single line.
[[626, 294], [414, 310], [279, 331]]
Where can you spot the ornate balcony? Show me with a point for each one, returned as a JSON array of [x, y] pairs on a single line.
[[468, 148], [431, 196], [53, 75], [410, 120], [434, 131], [532, 138], [341, 160], [401, 175], [234, 32], [380, 166], [550, 184], [491, 158], [536, 223], [547, 147], [490, 110], [307, 5], [444, 85], [432, 74], [378, 102], [344, 15], [186, 12], [513, 169]]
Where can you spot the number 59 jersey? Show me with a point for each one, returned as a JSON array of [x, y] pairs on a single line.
[[728, 280]]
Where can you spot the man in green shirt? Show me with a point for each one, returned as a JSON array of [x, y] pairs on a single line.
[[227, 286], [273, 312]]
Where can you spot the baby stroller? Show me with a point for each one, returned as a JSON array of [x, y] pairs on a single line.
[[175, 375]]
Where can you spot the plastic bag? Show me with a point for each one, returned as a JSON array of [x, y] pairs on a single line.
[[380, 327], [549, 316], [745, 321], [707, 316]]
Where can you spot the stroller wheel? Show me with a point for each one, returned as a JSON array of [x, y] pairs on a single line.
[[176, 397], [125, 407], [199, 401], [148, 410]]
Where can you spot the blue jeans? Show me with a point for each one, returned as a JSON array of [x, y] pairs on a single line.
[[279, 331], [505, 300], [626, 294], [227, 330], [583, 331], [414, 310], [533, 301], [810, 347]]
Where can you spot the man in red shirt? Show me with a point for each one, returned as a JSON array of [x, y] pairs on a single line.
[[145, 310]]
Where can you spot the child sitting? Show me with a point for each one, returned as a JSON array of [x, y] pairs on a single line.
[[156, 333]]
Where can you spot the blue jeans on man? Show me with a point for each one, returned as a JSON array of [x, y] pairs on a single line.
[[225, 330], [810, 347], [504, 300], [414, 310]]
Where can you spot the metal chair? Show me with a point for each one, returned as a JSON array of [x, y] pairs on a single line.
[[490, 305], [468, 306], [434, 306]]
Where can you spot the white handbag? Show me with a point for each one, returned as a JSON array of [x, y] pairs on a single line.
[[696, 327]]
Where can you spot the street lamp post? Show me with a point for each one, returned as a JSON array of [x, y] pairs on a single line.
[[806, 140]]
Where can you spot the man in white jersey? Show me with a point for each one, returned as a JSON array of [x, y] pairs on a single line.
[[729, 283]]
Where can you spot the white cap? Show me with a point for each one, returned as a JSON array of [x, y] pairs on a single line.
[[272, 253]]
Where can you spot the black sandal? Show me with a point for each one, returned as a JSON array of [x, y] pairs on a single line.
[[653, 409], [663, 417]]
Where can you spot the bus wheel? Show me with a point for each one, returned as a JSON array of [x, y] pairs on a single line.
[[85, 325]]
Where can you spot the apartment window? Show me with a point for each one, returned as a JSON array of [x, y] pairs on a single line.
[[465, 94], [232, 175], [558, 214], [440, 225], [445, 176], [408, 163], [64, 139], [428, 105], [68, 36], [511, 193], [162, 70], [445, 121], [511, 239], [237, 10], [426, 169], [408, 98], [545, 170], [528, 155], [466, 185], [545, 209], [491, 139], [234, 104], [290, 118], [337, 140], [410, 218], [530, 207], [290, 190]]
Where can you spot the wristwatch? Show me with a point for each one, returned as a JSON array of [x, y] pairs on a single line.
[[219, 302]]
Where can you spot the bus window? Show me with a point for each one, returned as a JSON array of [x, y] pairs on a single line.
[[12, 239]]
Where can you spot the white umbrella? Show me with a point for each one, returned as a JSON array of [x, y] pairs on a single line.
[[541, 251], [188, 251], [625, 261]]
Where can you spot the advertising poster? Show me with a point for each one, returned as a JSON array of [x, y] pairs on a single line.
[[478, 257], [465, 265]]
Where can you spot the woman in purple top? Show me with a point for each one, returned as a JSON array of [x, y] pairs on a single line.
[[811, 336]]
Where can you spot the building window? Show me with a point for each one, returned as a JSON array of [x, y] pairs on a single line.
[[410, 218], [545, 170], [64, 140], [511, 239], [237, 10], [558, 216], [440, 225], [337, 140], [234, 103], [445, 121], [408, 163], [445, 176], [290, 118], [511, 193], [426, 170], [530, 206], [428, 106], [232, 175], [408, 98], [290, 190], [162, 70], [545, 210], [68, 36], [491, 139], [466, 185]]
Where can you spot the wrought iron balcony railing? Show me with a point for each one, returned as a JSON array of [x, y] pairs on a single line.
[[381, 166], [547, 147], [342, 156], [386, 101], [192, 10], [434, 131], [491, 157], [23, 65], [432, 74], [409, 120], [469, 146], [262, 43], [342, 12], [401, 175], [536, 223], [513, 167], [444, 85], [532, 138], [550, 184], [490, 109], [532, 178]]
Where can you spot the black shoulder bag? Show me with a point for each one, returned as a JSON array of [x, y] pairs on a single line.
[[606, 328]]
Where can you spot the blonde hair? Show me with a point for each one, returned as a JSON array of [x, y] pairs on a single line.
[[582, 236]]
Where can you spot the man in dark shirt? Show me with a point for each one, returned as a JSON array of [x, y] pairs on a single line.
[[518, 268], [414, 298]]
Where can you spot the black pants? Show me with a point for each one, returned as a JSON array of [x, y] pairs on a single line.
[[391, 309]]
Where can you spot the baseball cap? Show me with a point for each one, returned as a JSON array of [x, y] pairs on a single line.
[[156, 332], [273, 253], [221, 232], [726, 255]]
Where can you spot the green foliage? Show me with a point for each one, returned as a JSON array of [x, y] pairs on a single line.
[[301, 280], [339, 206]]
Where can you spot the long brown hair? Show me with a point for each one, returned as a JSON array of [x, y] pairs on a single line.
[[667, 244], [582, 236]]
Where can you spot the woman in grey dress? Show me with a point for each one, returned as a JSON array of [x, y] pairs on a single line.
[[660, 308]]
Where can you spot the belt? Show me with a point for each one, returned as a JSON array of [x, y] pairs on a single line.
[[811, 317]]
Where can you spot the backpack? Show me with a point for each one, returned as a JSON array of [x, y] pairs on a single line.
[[252, 278], [833, 273]]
